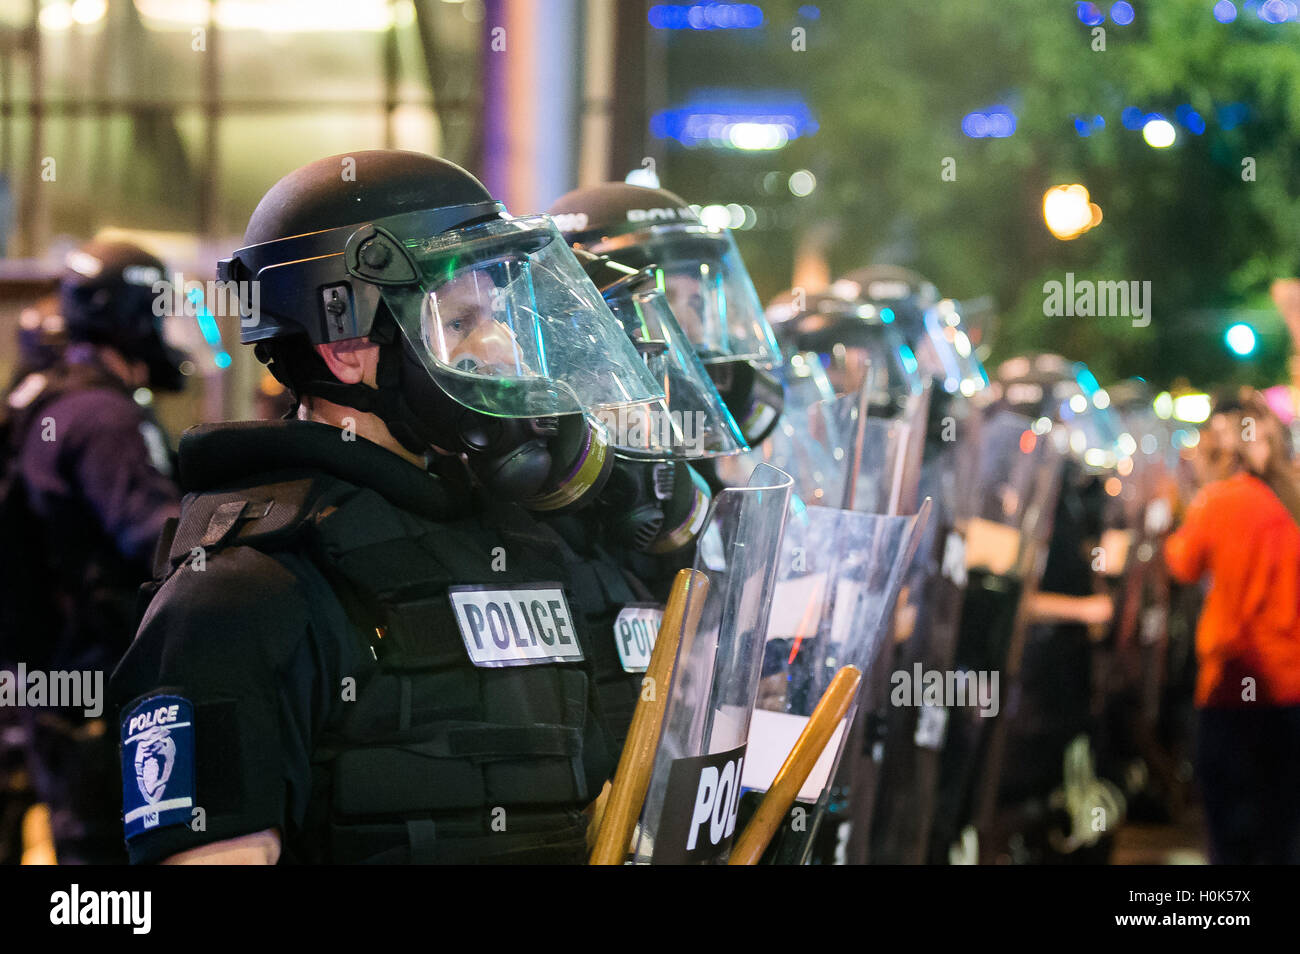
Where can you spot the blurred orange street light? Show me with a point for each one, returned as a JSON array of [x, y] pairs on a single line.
[[1069, 212]]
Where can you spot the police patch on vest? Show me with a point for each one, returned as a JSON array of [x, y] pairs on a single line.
[[157, 764], [699, 814], [516, 626], [635, 630]]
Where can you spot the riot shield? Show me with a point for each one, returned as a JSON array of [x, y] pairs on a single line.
[[1019, 476], [884, 453], [806, 443], [839, 575], [925, 639], [1142, 741], [689, 814]]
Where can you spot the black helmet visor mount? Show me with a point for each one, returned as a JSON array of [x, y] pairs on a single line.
[[497, 311]]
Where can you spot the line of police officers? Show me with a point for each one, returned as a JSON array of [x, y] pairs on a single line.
[[387, 629]]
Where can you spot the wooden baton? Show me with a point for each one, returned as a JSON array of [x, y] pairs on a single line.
[[831, 708], [632, 778]]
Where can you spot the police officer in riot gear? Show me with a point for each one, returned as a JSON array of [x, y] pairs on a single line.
[[645, 520], [363, 648], [92, 483], [1057, 684], [704, 279]]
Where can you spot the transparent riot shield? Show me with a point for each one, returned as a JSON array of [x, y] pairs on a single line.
[[1006, 537], [930, 604], [838, 579], [806, 444], [883, 454], [689, 813]]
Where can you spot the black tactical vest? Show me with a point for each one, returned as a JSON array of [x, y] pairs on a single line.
[[437, 760], [605, 588]]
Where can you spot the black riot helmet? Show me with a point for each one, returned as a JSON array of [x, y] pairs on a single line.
[[107, 296], [701, 274], [934, 327], [1067, 405], [493, 343], [850, 338]]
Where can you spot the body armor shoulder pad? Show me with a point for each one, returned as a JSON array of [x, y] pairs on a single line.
[[267, 516]]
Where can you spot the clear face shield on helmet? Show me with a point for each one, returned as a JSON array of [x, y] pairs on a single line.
[[806, 443], [879, 359], [701, 273], [1088, 424], [505, 321], [693, 422], [945, 351]]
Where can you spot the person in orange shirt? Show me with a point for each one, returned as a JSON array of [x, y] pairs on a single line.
[[1243, 531]]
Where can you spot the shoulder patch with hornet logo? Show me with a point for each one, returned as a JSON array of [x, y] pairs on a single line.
[[157, 764], [523, 625]]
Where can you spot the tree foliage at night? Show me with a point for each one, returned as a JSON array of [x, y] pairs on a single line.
[[890, 84]]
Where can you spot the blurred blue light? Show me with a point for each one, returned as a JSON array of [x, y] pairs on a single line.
[[1122, 13], [810, 12], [1274, 11], [887, 315], [1087, 380], [909, 359], [1241, 339], [207, 321], [705, 16], [1086, 125], [996, 122], [707, 118], [1132, 118], [1225, 11], [221, 359], [1089, 14], [1233, 115], [1190, 119]]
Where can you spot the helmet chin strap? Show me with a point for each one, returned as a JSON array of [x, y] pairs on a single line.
[[385, 401]]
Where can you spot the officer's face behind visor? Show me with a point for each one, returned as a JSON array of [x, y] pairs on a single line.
[[708, 289], [694, 421], [507, 323]]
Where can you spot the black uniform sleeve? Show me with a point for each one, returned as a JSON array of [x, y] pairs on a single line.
[[219, 698], [114, 471]]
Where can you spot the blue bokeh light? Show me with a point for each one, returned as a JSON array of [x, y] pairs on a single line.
[[1233, 115], [705, 119], [1241, 339], [1225, 11], [996, 122], [1275, 11], [1089, 14], [706, 16], [1122, 13], [1190, 119]]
